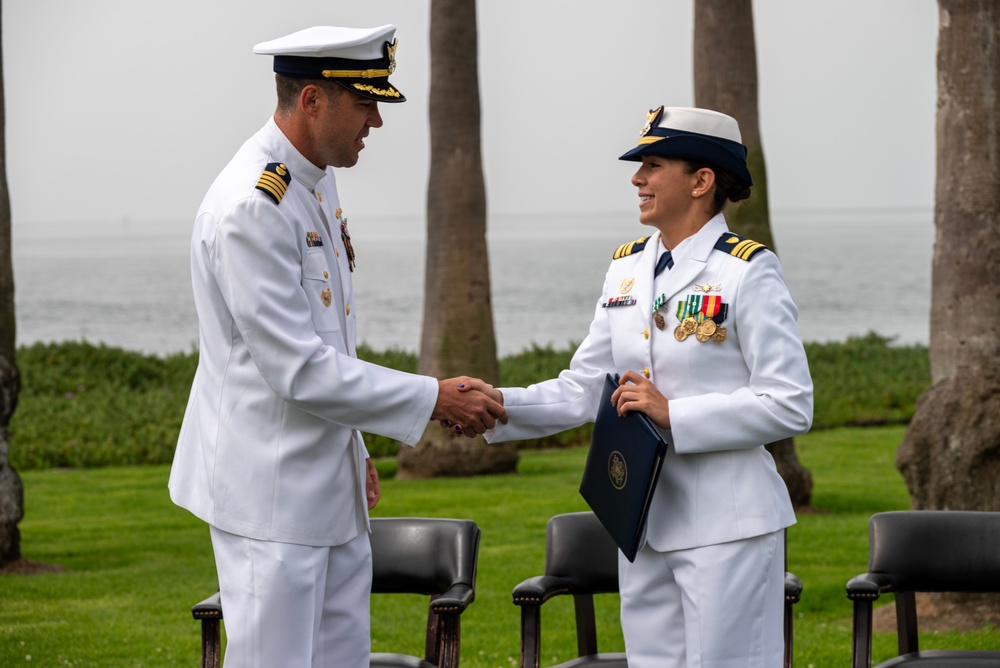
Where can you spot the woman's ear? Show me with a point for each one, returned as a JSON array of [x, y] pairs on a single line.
[[703, 179]]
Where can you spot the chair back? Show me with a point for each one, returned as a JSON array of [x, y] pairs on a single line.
[[937, 550], [579, 549], [419, 555]]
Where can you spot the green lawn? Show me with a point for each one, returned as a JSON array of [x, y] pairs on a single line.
[[136, 563]]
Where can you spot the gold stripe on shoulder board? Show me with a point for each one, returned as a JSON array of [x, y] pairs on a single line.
[[629, 248], [737, 246], [274, 181]]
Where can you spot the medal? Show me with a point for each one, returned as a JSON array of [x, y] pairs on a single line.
[[658, 319], [327, 297], [346, 238], [702, 316]]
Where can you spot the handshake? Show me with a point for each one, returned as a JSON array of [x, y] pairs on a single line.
[[468, 406]]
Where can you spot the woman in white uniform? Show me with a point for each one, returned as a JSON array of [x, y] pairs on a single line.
[[699, 323]]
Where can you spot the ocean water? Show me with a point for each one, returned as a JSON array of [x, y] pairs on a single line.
[[127, 284]]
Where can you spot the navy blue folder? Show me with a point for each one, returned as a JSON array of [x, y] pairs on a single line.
[[622, 468]]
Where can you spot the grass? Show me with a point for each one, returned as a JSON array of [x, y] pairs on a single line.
[[136, 563], [94, 434], [85, 405]]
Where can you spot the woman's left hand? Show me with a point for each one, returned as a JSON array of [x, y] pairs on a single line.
[[636, 393]]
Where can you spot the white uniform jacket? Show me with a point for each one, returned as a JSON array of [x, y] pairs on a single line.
[[727, 399], [269, 447]]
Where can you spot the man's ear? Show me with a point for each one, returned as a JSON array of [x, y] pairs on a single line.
[[311, 99]]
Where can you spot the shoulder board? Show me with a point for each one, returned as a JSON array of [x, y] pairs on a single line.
[[737, 246], [274, 181], [630, 247]]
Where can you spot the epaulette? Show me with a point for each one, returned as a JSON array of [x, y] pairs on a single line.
[[630, 247], [737, 246], [274, 181]]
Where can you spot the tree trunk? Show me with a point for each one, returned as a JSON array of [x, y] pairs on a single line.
[[950, 456], [458, 335], [11, 490], [725, 79]]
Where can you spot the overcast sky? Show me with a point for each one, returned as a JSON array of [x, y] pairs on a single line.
[[127, 109]]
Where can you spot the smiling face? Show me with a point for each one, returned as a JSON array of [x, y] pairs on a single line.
[[665, 190]]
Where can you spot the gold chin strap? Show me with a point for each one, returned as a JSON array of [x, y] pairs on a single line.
[[367, 74], [356, 74]]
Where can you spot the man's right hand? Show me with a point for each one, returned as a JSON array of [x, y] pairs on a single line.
[[467, 411]]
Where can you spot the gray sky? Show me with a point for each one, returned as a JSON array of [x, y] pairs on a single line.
[[127, 109]]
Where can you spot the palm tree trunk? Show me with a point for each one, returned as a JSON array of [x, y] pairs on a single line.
[[950, 456], [458, 335], [725, 79], [11, 489]]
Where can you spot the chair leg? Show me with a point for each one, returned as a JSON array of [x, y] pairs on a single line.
[[906, 622], [788, 635], [449, 640], [211, 643], [432, 643], [531, 636], [586, 627], [861, 652]]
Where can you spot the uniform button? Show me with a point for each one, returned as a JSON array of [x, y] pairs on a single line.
[[645, 334], [337, 251], [645, 372], [319, 196], [326, 274], [348, 309]]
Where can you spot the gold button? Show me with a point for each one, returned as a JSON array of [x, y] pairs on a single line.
[[326, 274], [348, 309], [645, 334], [319, 196], [645, 372], [337, 251]]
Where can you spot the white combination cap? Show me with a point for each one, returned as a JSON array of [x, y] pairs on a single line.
[[359, 59], [698, 135]]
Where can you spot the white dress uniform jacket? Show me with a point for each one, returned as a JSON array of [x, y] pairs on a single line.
[[270, 445], [727, 399]]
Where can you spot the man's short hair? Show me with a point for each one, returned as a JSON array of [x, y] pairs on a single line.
[[289, 89]]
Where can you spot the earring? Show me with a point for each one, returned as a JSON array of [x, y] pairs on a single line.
[[695, 193]]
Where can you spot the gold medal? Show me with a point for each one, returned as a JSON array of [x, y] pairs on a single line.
[[679, 333], [720, 335], [689, 325], [706, 328], [658, 319], [327, 297]]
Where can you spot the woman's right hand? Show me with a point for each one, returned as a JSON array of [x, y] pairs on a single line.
[[479, 385], [636, 393]]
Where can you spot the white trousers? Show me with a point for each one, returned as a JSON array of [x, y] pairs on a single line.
[[718, 606], [294, 605]]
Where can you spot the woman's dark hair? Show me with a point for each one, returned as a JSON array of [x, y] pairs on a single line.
[[727, 188]]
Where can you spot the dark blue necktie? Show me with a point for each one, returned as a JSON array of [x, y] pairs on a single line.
[[665, 261]]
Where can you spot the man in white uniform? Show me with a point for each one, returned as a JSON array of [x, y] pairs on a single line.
[[270, 453]]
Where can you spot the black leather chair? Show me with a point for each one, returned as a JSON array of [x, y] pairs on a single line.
[[924, 551], [581, 560], [410, 555]]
